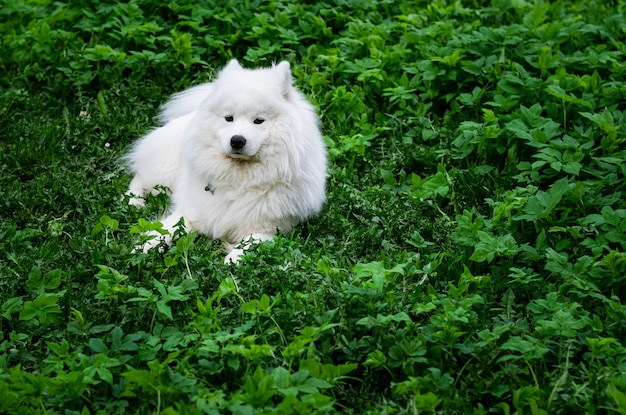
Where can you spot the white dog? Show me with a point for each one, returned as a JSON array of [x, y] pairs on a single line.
[[242, 155]]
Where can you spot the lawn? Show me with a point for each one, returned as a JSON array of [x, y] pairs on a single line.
[[470, 259]]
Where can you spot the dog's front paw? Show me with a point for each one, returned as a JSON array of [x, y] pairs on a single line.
[[234, 256], [159, 241], [136, 201]]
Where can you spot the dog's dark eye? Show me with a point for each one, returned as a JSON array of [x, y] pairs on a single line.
[[259, 120], [229, 118]]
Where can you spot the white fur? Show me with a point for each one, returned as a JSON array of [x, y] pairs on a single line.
[[274, 181]]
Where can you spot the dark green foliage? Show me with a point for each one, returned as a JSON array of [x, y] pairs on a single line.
[[471, 257]]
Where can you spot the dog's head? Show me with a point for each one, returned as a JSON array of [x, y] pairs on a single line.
[[244, 107]]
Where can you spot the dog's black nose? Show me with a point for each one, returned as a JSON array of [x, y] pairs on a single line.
[[237, 142]]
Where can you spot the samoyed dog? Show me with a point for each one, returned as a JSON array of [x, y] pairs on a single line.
[[243, 157]]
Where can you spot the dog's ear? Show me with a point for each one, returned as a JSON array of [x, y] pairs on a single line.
[[286, 82], [232, 65]]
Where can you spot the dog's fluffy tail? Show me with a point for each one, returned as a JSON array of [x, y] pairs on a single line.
[[185, 102]]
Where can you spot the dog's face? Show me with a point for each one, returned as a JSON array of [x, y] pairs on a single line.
[[244, 107], [242, 124]]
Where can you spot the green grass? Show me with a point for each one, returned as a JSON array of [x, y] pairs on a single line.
[[471, 257]]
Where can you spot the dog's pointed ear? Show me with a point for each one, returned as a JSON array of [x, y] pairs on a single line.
[[232, 65], [286, 82]]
